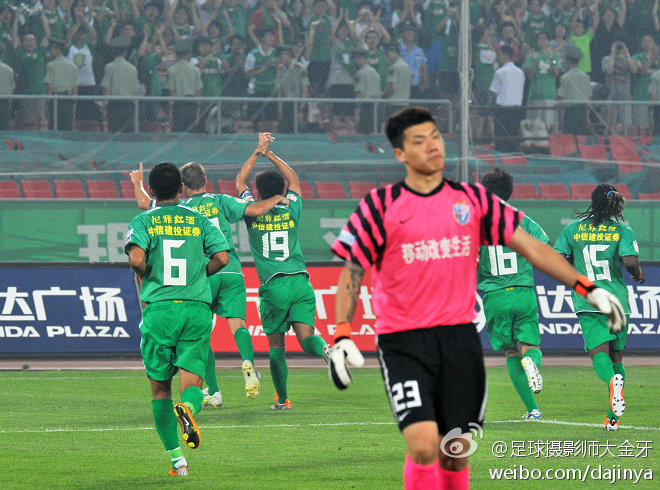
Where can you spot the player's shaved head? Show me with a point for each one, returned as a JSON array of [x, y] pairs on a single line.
[[193, 176], [165, 181], [269, 183], [499, 183], [400, 121]]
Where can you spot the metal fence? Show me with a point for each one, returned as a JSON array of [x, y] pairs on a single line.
[[380, 106]]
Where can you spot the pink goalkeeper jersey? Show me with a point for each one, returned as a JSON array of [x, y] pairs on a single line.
[[425, 250]]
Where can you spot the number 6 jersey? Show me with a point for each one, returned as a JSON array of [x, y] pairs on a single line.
[[597, 252], [178, 242]]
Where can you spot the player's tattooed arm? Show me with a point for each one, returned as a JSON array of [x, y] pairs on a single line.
[[348, 290]]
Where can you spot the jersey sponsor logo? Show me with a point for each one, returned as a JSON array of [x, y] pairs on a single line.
[[461, 213], [346, 237], [246, 195], [129, 235], [292, 197], [635, 246], [239, 200]]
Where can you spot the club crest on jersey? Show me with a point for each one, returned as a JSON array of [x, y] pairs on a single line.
[[461, 213]]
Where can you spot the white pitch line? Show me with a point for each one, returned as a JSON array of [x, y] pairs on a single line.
[[334, 424], [562, 422]]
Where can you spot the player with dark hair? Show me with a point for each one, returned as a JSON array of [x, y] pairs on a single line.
[[423, 235], [286, 297], [597, 244], [173, 249], [227, 286], [507, 281]]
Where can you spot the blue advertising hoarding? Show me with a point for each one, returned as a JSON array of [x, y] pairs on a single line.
[[560, 328], [67, 308]]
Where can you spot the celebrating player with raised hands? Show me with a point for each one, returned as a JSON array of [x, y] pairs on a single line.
[[286, 296], [422, 236]]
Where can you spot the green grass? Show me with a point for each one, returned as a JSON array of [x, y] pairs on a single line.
[[76, 429]]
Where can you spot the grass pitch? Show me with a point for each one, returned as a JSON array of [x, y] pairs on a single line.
[[79, 429]]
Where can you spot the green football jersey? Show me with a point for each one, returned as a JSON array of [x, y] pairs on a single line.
[[274, 240], [597, 252], [178, 242], [500, 267], [221, 210]]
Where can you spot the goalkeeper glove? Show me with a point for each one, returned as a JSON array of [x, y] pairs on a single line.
[[343, 351], [606, 302]]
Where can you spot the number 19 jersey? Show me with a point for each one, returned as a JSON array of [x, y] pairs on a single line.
[[274, 240], [500, 267], [177, 241], [597, 252]]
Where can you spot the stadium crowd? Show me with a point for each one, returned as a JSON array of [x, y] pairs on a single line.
[[369, 49]]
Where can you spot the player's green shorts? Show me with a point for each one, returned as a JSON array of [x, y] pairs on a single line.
[[595, 331], [512, 315], [285, 299], [228, 293], [175, 334]]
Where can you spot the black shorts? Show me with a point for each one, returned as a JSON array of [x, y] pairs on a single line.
[[435, 374]]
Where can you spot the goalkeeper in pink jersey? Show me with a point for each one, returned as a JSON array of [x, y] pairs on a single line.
[[422, 236]]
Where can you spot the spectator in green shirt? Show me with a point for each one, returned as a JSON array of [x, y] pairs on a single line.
[[319, 49], [29, 62]]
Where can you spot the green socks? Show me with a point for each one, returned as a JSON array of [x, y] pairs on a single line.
[[210, 375], [535, 355], [244, 344], [279, 371], [519, 379], [193, 398], [603, 366], [314, 345], [166, 422], [619, 369]]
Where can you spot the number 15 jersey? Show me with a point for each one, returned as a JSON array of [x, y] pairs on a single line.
[[597, 252]]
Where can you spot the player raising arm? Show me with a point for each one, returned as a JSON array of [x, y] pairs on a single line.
[[286, 297], [173, 249], [423, 235], [227, 286]]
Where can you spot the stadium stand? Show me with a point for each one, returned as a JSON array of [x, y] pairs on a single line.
[[126, 189], [581, 191], [209, 187], [553, 191], [227, 187], [624, 190], [101, 189], [513, 160], [485, 157], [9, 189], [357, 190], [69, 189], [525, 191], [646, 196], [36, 189], [562, 145], [593, 152], [306, 191], [330, 190]]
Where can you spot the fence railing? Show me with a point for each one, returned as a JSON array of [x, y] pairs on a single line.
[[377, 104]]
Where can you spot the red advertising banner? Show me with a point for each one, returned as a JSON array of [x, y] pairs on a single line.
[[324, 279]]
